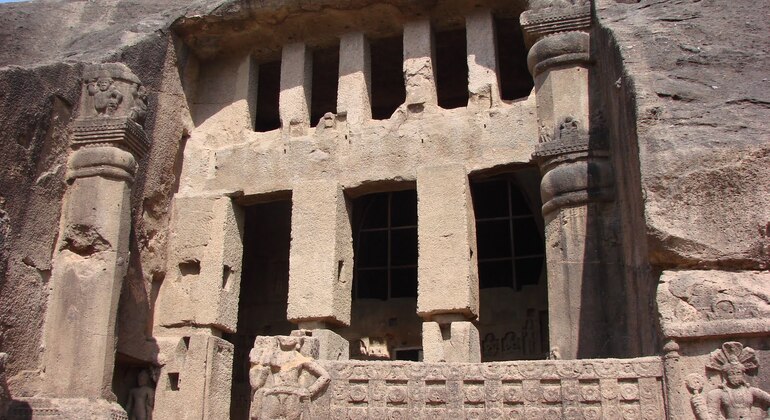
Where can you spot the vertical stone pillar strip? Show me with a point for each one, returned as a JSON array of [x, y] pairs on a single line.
[[321, 255], [482, 59], [204, 266], [296, 88], [354, 91], [227, 93], [448, 287], [418, 64], [91, 256], [576, 175], [195, 379]]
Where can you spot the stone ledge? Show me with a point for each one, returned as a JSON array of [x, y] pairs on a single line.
[[104, 131]]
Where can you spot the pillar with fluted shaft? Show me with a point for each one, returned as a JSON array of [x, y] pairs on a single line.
[[577, 178]]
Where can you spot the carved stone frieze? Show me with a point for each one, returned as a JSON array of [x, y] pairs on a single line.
[[714, 303], [538, 389], [734, 397]]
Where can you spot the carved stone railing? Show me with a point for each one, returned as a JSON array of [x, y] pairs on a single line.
[[590, 389]]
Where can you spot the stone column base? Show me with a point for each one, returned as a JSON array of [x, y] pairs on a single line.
[[332, 346], [456, 342], [65, 408]]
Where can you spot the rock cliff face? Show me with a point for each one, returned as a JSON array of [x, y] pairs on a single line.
[[695, 140], [702, 91]]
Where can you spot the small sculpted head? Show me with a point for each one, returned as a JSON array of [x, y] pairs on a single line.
[[104, 83], [734, 375]]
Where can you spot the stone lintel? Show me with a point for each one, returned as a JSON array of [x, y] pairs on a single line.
[[296, 88], [354, 91], [447, 269], [539, 23], [321, 255]]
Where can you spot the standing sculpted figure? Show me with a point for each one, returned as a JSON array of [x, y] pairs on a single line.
[[141, 399], [107, 97], [735, 398], [283, 379]]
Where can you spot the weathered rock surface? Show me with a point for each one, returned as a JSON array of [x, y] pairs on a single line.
[[703, 96], [697, 71]]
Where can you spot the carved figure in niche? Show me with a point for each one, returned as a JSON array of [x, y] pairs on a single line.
[[5, 394], [374, 348], [510, 343], [139, 107], [569, 129], [283, 380], [544, 135], [491, 345], [529, 335], [554, 353], [141, 399], [735, 397], [107, 97]]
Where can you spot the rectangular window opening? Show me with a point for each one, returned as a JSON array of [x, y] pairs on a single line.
[[323, 99], [387, 77], [268, 92], [385, 240], [451, 68], [513, 74]]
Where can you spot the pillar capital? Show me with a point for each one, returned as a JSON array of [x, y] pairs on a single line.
[[113, 107], [574, 165], [548, 17], [556, 35]]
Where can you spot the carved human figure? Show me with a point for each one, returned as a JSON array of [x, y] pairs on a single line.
[[107, 97], [491, 345], [139, 106], [279, 377], [735, 397], [509, 343], [141, 399], [529, 337]]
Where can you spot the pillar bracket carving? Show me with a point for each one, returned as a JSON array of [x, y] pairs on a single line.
[[112, 110], [551, 17]]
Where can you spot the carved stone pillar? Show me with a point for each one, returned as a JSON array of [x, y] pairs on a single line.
[[448, 285], [577, 177], [91, 256]]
